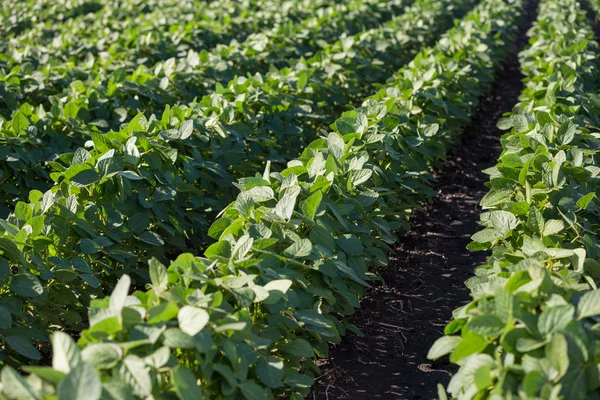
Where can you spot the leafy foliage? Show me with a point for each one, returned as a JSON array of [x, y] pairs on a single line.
[[293, 253], [531, 329], [144, 191]]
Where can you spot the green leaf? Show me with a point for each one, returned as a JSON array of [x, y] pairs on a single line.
[[9, 249], [299, 348], [270, 371], [300, 248], [23, 346], [253, 391], [299, 381], [277, 289], [589, 304], [19, 122], [535, 220], [85, 178], [555, 318], [303, 79], [5, 318], [119, 294], [152, 238], [185, 384], [312, 317], [15, 387], [138, 222], [88, 246], [158, 275], [163, 312], [46, 373], [192, 319], [65, 353], [133, 371], [82, 383], [552, 227], [310, 206], [358, 177], [102, 355], [471, 343], [350, 244], [557, 352], [186, 129], [486, 325], [585, 201], [336, 145], [495, 197], [442, 346], [26, 285], [176, 338]]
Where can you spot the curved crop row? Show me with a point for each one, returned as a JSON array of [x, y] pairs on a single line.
[[293, 250], [531, 330]]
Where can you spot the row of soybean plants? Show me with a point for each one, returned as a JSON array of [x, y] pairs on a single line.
[[234, 130], [145, 191], [532, 328], [294, 249]]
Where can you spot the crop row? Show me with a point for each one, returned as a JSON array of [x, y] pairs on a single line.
[[531, 330], [294, 249]]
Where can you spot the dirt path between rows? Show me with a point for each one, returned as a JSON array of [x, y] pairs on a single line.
[[424, 282]]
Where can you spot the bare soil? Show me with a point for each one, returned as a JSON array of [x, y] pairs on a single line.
[[424, 282]]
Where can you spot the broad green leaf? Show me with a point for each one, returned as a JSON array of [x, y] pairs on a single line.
[[134, 373], [15, 387], [442, 346], [158, 275], [163, 312], [119, 294], [270, 371], [138, 222], [185, 384], [535, 220], [585, 200], [299, 249], [152, 238], [253, 391], [471, 343], [311, 205], [192, 319], [589, 304], [102, 355], [26, 285], [557, 352], [23, 346], [19, 122], [486, 325], [299, 348], [336, 145], [65, 353], [82, 383]]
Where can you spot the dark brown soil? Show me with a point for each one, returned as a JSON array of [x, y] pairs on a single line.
[[424, 282]]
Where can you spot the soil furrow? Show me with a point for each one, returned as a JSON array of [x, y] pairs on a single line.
[[424, 282]]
